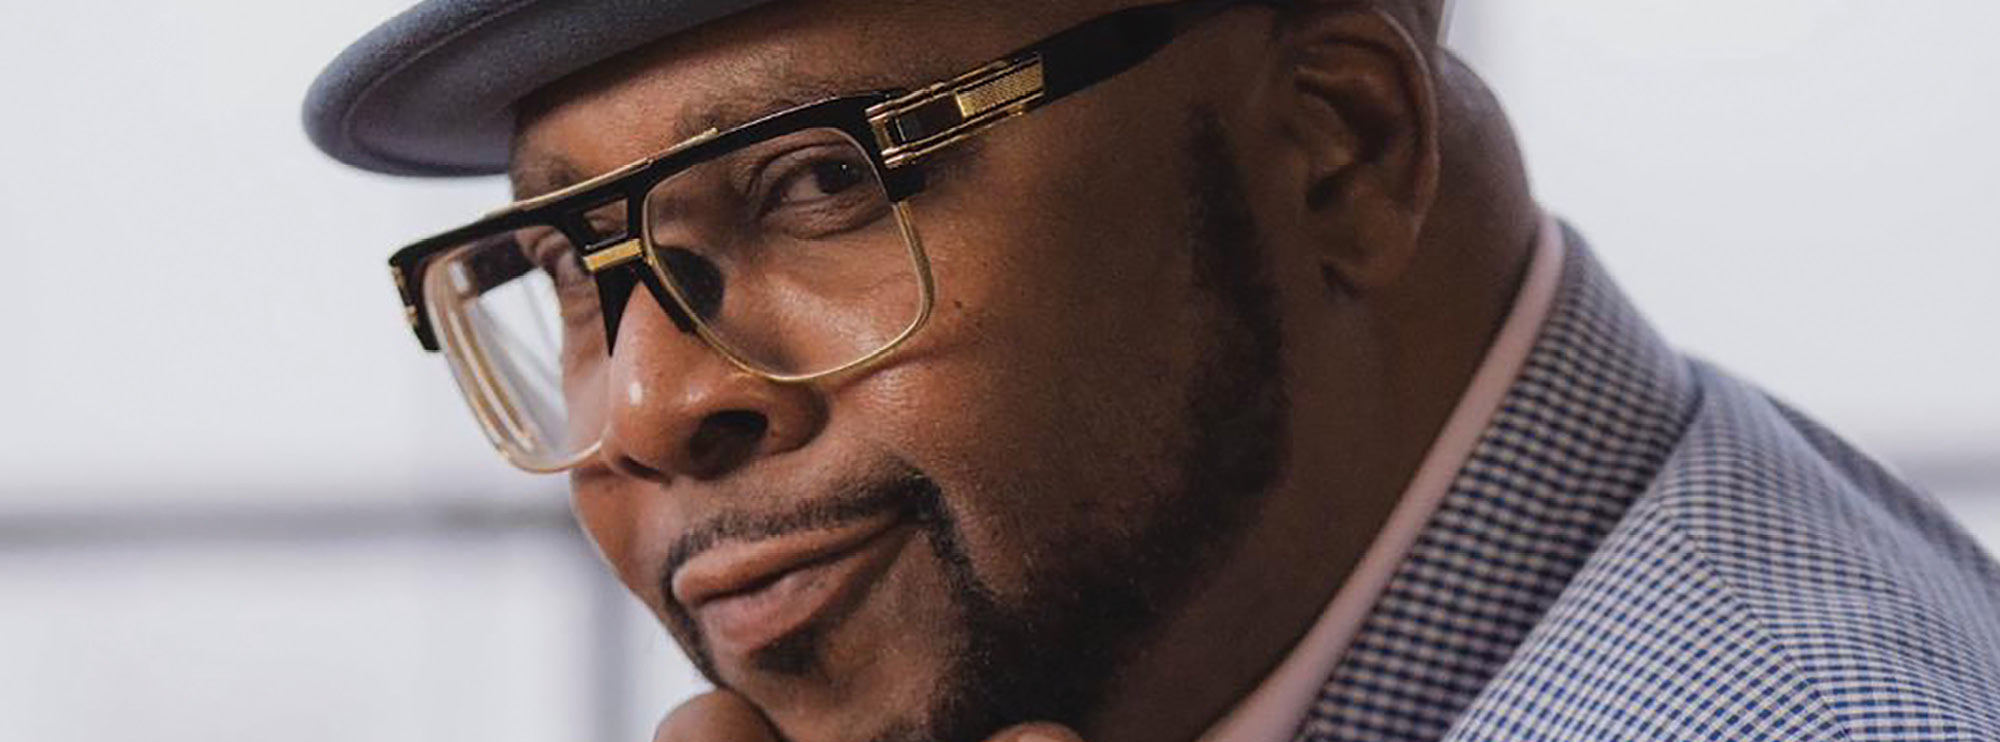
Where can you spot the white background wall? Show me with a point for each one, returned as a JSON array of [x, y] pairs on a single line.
[[203, 338], [1807, 191]]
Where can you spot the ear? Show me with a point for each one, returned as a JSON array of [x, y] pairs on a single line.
[[1360, 113]]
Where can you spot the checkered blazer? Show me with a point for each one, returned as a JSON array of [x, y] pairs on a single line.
[[1645, 548]]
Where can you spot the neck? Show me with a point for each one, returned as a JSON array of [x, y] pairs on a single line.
[[1473, 255]]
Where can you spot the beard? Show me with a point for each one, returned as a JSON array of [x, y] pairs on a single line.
[[1055, 655]]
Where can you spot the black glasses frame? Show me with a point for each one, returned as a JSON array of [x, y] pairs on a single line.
[[897, 130]]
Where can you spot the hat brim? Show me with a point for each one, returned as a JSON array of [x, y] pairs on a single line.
[[432, 91]]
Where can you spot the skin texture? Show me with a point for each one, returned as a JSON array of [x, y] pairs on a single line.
[[1197, 326]]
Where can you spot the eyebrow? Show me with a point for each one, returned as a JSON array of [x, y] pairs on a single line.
[[537, 174], [534, 176]]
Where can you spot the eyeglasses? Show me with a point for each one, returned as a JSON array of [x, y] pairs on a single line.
[[786, 244]]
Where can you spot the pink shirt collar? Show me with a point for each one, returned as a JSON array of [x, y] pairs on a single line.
[[1273, 712]]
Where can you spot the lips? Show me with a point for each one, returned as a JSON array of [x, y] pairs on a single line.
[[748, 595]]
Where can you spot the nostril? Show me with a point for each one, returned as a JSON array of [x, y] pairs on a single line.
[[725, 440]]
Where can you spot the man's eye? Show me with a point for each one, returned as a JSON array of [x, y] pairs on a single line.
[[555, 258], [575, 289], [818, 192], [812, 178]]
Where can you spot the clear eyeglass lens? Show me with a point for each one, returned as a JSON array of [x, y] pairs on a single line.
[[787, 253], [520, 319]]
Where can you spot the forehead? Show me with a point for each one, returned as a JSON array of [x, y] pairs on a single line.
[[778, 56]]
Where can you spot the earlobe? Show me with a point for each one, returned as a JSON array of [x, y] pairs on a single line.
[[1362, 116]]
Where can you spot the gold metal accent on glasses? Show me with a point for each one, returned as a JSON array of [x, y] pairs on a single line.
[[1001, 91], [979, 98], [567, 191], [409, 301], [620, 254]]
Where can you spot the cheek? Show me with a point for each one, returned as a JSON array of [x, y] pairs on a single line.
[[1048, 397]]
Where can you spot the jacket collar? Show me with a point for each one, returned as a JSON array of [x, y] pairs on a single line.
[[1600, 404]]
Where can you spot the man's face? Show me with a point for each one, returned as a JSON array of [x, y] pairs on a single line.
[[978, 530]]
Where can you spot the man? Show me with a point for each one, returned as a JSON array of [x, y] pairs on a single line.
[[1122, 371]]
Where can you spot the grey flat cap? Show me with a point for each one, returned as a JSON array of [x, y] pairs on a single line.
[[432, 91]]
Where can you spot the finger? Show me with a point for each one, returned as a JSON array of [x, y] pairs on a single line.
[[716, 716], [1036, 733]]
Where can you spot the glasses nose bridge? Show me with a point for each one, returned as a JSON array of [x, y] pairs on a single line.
[[612, 253], [619, 267]]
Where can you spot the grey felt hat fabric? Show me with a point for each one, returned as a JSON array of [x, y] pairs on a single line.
[[431, 92]]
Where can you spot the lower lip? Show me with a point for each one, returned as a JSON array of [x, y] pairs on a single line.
[[740, 624]]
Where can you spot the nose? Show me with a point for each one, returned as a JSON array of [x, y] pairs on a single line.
[[678, 408]]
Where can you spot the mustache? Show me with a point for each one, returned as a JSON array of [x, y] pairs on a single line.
[[907, 490]]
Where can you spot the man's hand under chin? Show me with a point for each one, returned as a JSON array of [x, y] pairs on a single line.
[[722, 716]]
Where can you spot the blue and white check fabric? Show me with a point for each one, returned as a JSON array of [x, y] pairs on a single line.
[[1644, 548]]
